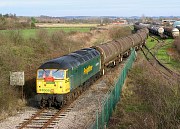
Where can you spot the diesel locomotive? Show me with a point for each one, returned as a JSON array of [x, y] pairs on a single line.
[[60, 79]]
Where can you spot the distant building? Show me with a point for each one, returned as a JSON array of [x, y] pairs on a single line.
[[168, 22], [119, 22]]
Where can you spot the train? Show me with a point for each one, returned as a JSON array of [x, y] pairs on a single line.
[[138, 27], [60, 79], [159, 30], [172, 32]]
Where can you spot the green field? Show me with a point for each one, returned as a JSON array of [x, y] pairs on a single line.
[[27, 33]]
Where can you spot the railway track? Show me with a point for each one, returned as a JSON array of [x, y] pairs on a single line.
[[44, 118], [170, 72], [156, 48], [161, 43], [49, 118]]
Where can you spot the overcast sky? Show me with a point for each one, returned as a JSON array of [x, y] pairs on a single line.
[[91, 7]]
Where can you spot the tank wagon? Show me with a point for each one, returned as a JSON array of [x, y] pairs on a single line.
[[178, 27], [145, 25], [172, 32], [138, 27], [61, 78], [157, 30]]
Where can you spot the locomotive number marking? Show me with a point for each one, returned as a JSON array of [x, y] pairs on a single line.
[[44, 90]]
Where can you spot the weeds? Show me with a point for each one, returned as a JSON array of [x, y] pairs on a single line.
[[150, 100]]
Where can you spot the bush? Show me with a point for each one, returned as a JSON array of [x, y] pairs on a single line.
[[177, 43], [118, 32], [58, 39], [16, 37]]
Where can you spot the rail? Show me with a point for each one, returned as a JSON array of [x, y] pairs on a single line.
[[45, 118], [161, 64]]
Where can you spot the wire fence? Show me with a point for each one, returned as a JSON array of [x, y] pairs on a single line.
[[103, 115]]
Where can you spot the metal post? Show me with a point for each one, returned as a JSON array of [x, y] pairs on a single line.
[[22, 93]]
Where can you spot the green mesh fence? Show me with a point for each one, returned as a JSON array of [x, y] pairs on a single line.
[[103, 116]]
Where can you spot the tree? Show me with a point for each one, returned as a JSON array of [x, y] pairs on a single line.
[[6, 15], [33, 21]]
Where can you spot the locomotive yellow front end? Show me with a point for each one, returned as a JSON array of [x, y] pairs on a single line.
[[52, 81]]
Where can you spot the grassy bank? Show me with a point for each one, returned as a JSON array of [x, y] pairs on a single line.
[[19, 53], [149, 100], [27, 53]]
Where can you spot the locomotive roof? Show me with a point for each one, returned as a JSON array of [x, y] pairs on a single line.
[[71, 60]]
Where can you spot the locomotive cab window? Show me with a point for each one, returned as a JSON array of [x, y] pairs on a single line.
[[55, 73]]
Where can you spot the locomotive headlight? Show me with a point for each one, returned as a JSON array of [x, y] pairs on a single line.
[[39, 83]]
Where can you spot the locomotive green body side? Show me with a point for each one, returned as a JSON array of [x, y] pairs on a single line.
[[79, 75]]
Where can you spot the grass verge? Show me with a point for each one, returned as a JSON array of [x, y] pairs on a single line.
[[149, 100]]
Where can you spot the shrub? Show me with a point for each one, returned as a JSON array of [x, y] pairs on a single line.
[[58, 39], [118, 32], [177, 43], [16, 37]]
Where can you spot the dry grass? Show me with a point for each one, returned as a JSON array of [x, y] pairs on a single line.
[[113, 32], [22, 54], [150, 100], [117, 32]]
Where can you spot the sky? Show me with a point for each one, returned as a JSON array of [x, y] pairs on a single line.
[[58, 8]]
